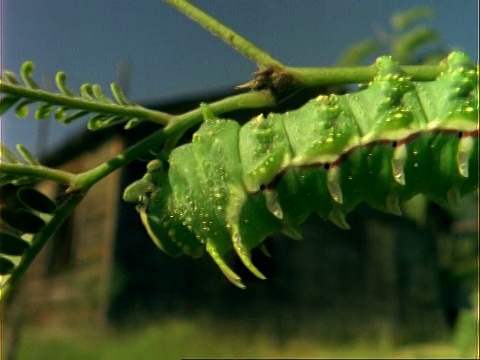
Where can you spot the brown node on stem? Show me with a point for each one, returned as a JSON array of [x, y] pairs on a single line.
[[273, 78]]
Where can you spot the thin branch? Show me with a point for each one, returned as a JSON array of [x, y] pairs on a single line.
[[235, 40], [131, 111], [318, 76], [38, 171]]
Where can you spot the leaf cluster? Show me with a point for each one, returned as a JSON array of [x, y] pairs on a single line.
[[65, 106], [410, 41], [22, 222], [26, 158]]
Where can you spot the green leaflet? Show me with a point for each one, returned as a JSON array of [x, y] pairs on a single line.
[[233, 186]]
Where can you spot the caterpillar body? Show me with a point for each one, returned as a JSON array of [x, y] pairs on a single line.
[[233, 185]]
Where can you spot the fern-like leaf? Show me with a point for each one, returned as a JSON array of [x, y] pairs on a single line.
[[25, 168], [102, 111]]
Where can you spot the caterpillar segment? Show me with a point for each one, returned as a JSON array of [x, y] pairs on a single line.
[[233, 186]]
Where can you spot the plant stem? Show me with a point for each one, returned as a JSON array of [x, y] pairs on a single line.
[[175, 128], [133, 111], [235, 40], [38, 171], [40, 239], [318, 76]]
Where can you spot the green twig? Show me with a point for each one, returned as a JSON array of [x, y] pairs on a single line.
[[235, 40], [319, 76], [131, 111], [38, 172]]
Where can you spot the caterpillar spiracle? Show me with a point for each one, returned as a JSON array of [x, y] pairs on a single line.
[[233, 185]]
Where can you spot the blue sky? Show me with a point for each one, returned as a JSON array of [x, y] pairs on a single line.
[[171, 56]]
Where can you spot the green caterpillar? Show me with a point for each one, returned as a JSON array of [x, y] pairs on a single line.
[[233, 186]]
